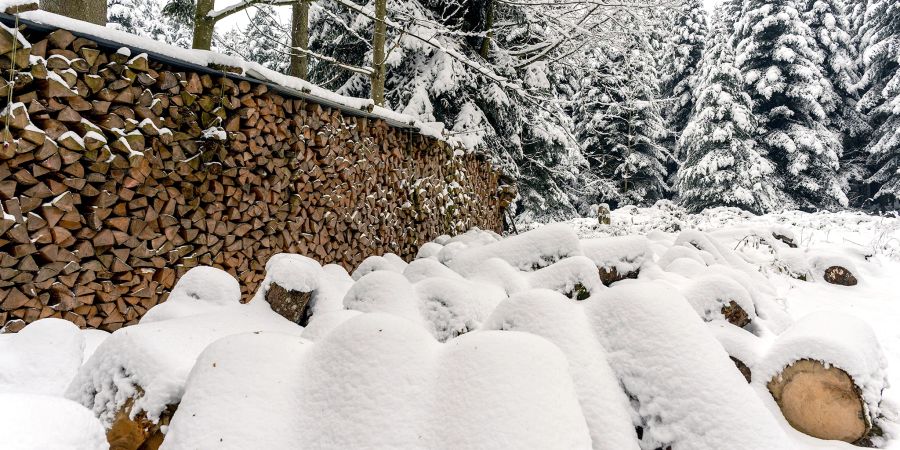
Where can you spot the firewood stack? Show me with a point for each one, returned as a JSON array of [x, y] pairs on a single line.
[[118, 174]]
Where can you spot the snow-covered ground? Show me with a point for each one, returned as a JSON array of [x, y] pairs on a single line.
[[491, 342]]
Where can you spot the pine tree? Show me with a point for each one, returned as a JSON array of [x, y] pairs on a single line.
[[793, 101], [880, 40], [618, 122], [681, 56], [831, 28], [723, 166]]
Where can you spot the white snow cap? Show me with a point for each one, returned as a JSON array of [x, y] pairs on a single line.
[[201, 289], [378, 381], [528, 251], [44, 422], [41, 358]]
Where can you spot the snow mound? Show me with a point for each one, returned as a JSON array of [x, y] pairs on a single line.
[[41, 358], [378, 381], [528, 251], [201, 289], [575, 277], [686, 389], [559, 320], [389, 262], [455, 307], [43, 422], [150, 361], [710, 293], [421, 269], [384, 291], [626, 254], [838, 340]]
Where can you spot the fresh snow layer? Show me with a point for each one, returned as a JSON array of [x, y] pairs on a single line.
[[686, 389], [44, 422], [42, 358], [476, 344], [379, 381], [151, 361]]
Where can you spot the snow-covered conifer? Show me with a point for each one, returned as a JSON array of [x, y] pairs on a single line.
[[618, 122], [793, 100], [681, 56], [722, 164], [880, 45]]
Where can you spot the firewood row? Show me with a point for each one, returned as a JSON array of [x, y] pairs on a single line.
[[119, 173]]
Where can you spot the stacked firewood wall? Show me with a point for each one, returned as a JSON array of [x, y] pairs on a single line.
[[118, 174]]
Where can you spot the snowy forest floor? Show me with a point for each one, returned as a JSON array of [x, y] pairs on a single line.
[[875, 300], [243, 379]]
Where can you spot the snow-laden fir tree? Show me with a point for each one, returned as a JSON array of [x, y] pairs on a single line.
[[618, 123], [142, 17], [681, 56], [794, 102], [880, 41], [828, 21], [722, 164], [264, 39]]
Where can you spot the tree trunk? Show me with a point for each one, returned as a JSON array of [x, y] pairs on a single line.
[[300, 39], [488, 29], [203, 25], [93, 11], [378, 53]]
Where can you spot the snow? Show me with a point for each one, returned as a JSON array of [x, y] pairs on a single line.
[[624, 253], [41, 358], [563, 322], [384, 384], [199, 290], [44, 422], [528, 251], [492, 353], [151, 361], [680, 378]]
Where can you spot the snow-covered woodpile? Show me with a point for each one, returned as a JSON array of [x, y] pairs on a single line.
[[119, 173]]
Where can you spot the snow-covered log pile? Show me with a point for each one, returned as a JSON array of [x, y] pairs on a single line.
[[119, 173], [483, 341]]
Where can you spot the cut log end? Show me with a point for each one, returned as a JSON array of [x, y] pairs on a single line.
[[292, 305], [820, 401], [840, 276], [139, 433], [735, 315], [611, 275]]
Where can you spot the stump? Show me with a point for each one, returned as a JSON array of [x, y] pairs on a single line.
[[822, 402], [604, 214], [292, 305], [840, 275]]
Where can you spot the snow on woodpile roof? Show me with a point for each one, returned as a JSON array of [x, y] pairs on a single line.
[[209, 61]]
